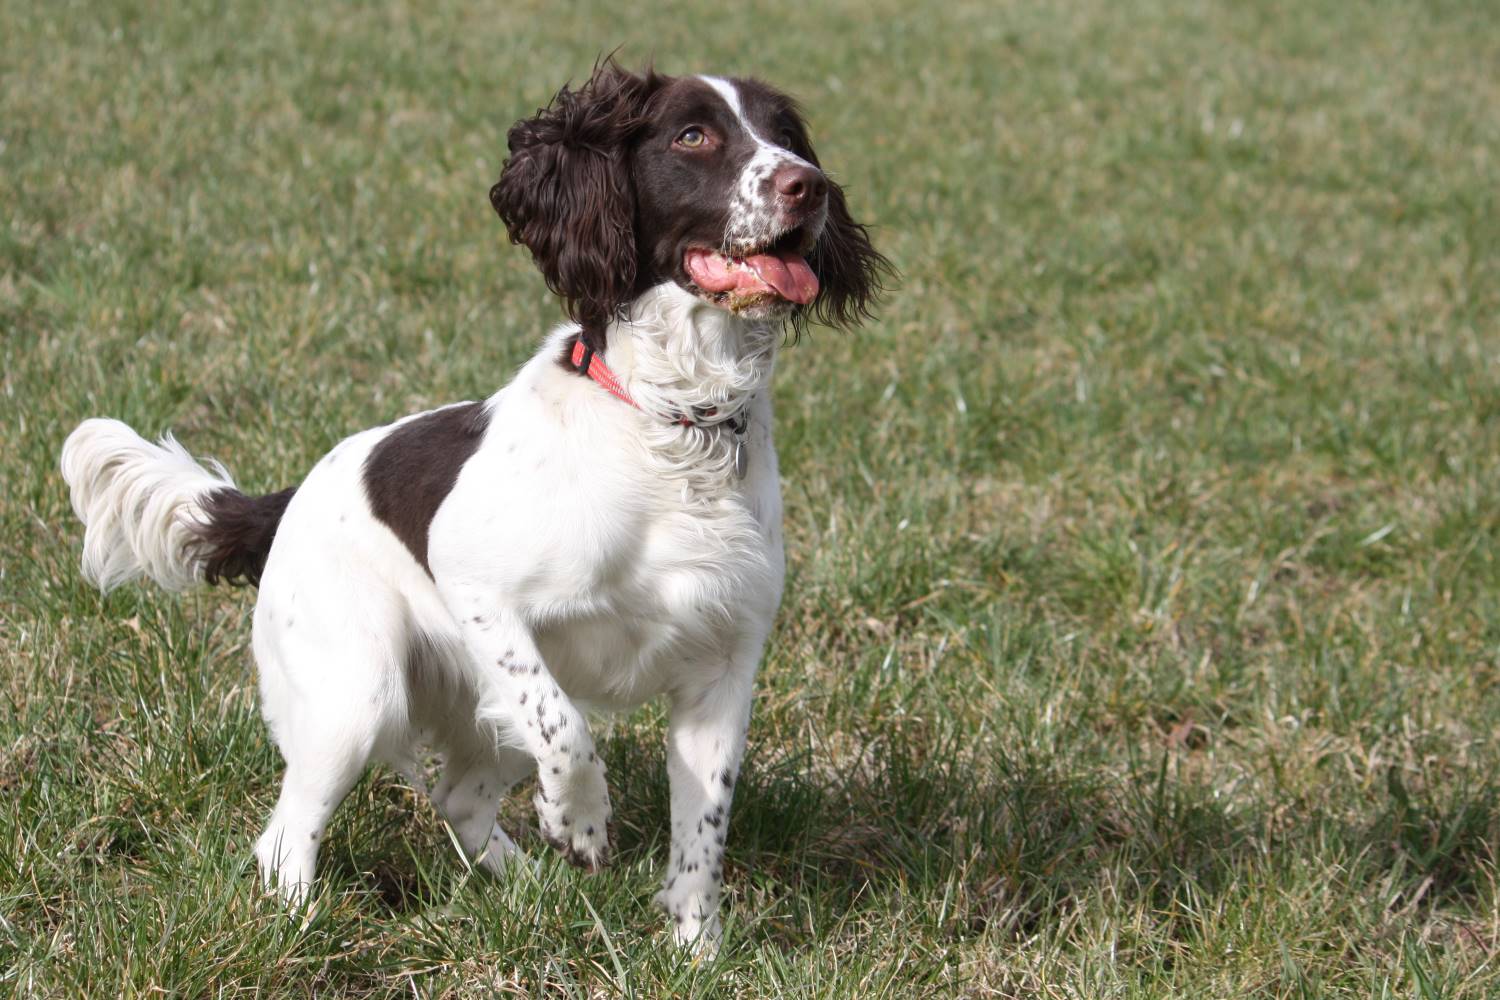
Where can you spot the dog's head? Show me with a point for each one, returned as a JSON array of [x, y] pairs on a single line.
[[632, 180]]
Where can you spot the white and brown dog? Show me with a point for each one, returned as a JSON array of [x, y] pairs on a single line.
[[603, 530]]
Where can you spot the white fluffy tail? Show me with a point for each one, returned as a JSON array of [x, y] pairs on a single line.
[[139, 503]]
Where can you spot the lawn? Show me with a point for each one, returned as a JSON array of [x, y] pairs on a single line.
[[1142, 630]]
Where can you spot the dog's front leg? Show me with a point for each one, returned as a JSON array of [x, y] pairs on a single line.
[[520, 696], [705, 741]]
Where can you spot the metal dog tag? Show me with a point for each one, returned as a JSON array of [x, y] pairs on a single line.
[[741, 457]]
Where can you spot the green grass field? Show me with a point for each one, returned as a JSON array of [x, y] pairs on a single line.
[[1142, 634]]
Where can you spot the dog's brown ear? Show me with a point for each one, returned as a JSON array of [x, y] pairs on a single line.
[[851, 272], [566, 194]]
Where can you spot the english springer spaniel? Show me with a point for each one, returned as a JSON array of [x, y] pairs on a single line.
[[603, 530]]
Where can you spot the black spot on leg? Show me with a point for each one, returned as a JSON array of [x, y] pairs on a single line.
[[726, 779]]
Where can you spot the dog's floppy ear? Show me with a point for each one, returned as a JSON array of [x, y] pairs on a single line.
[[566, 194], [851, 272]]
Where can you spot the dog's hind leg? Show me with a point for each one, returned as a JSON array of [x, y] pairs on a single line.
[[331, 661], [319, 773], [476, 777]]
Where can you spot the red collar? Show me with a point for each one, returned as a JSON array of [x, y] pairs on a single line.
[[586, 361]]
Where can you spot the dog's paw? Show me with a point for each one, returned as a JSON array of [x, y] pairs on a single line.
[[692, 928], [501, 856], [589, 851], [574, 818], [286, 870]]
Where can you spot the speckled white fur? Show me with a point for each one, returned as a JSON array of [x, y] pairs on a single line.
[[754, 219]]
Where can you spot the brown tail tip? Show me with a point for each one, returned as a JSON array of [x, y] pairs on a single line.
[[234, 539]]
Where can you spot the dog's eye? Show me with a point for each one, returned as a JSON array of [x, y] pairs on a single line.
[[692, 137], [786, 138]]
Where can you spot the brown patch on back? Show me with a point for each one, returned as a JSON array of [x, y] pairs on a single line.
[[413, 468]]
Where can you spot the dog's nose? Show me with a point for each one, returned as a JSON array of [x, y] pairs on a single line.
[[800, 185]]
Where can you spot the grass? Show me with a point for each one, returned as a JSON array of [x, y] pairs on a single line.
[[1142, 634]]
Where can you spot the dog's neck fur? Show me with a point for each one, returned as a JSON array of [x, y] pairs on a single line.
[[680, 356]]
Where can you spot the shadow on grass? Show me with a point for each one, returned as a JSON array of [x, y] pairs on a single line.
[[1005, 844], [1022, 837], [1025, 837]]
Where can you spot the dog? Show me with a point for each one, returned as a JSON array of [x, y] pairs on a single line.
[[478, 579]]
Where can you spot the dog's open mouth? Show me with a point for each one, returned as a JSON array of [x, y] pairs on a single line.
[[779, 270]]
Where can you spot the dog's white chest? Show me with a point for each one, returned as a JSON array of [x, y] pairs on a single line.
[[628, 572], [670, 600]]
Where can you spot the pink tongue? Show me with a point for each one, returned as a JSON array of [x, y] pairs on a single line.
[[788, 273], [785, 274]]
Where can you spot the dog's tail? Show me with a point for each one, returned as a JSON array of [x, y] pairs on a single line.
[[150, 509]]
